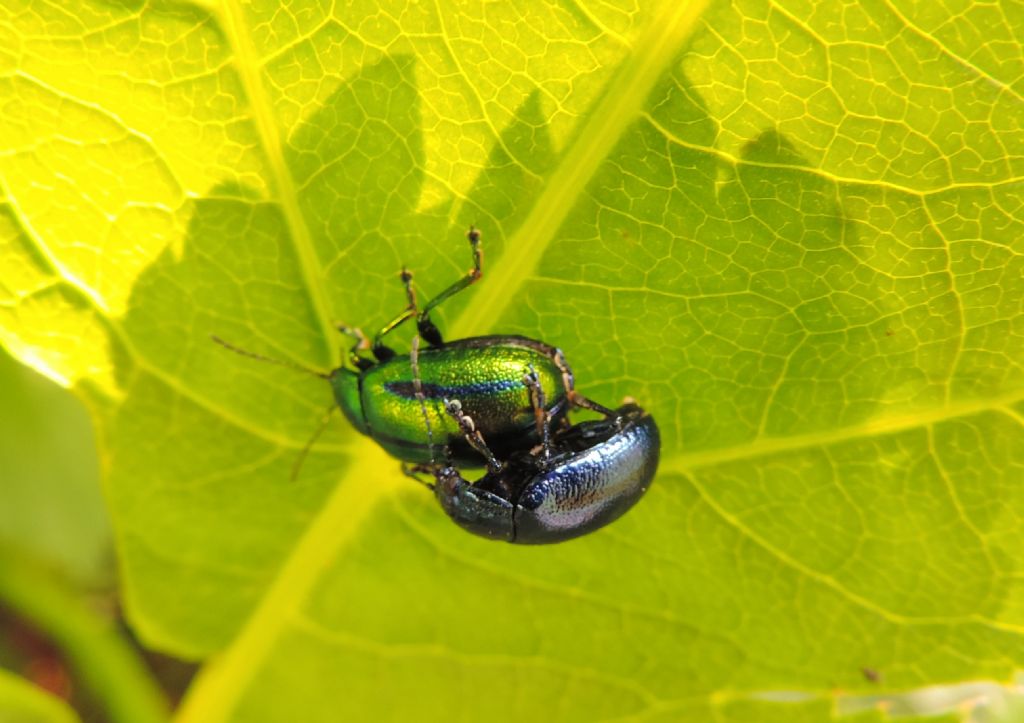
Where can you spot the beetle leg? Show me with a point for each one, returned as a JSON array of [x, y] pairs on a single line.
[[362, 344], [471, 433], [568, 382], [578, 400], [415, 470], [382, 352], [540, 413], [428, 330]]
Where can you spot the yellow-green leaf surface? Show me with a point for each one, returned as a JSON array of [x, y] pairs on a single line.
[[793, 231]]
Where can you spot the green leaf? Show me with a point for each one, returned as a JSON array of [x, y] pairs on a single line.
[[22, 702], [792, 232], [51, 497]]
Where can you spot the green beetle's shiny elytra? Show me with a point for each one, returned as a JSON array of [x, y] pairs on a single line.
[[484, 373]]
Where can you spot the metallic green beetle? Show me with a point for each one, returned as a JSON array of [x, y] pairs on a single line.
[[485, 373], [379, 396]]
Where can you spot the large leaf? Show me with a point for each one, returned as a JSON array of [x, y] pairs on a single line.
[[793, 232]]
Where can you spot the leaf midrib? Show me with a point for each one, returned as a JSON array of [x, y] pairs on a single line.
[[620, 104], [249, 70]]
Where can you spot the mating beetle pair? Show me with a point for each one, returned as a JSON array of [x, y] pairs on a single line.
[[577, 480], [594, 472], [491, 398]]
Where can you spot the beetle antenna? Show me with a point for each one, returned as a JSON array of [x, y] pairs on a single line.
[[417, 385], [259, 357], [300, 460]]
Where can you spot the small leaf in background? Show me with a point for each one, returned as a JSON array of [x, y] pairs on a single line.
[[59, 624], [52, 505], [22, 702]]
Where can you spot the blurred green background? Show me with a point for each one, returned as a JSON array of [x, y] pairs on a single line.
[[65, 653]]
